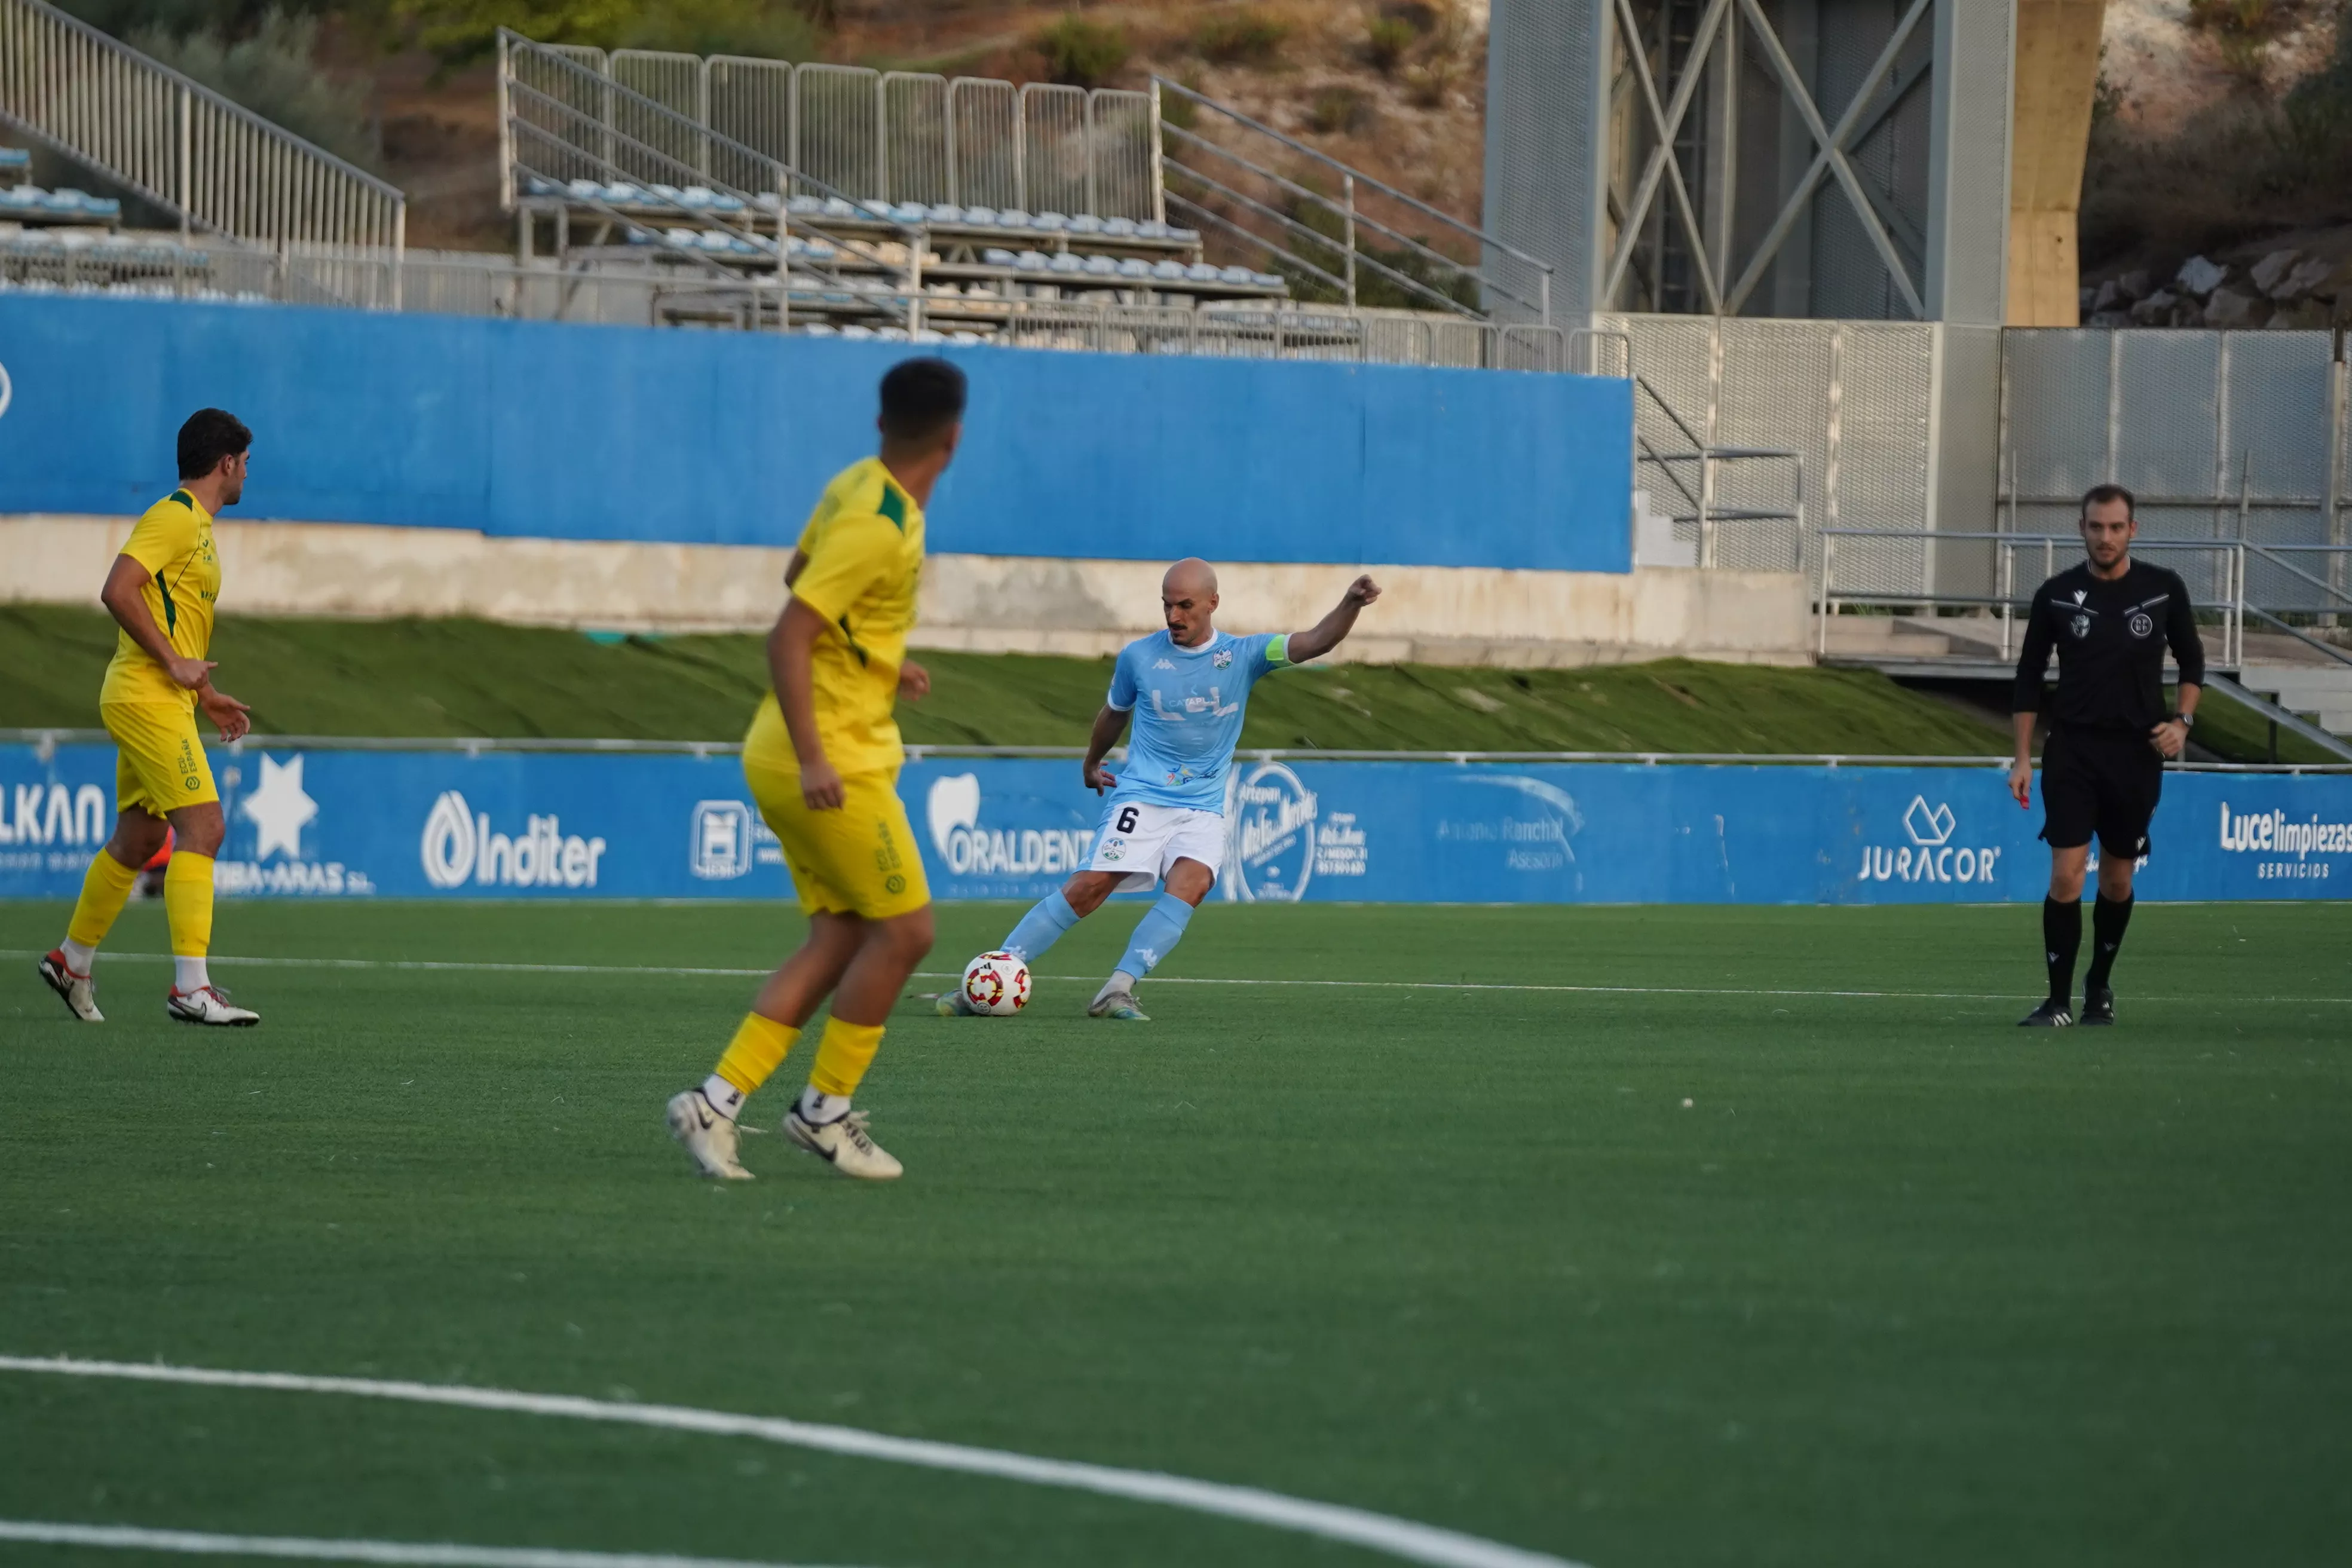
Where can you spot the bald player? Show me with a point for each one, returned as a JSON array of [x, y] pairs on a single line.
[[1165, 822]]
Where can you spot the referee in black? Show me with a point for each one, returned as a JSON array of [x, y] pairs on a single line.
[[2110, 619]]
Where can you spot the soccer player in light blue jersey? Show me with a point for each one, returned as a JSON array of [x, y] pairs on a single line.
[[1186, 690]]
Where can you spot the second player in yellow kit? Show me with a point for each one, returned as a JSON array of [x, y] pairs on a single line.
[[822, 759], [861, 560], [161, 592]]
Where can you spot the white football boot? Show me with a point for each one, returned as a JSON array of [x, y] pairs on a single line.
[[80, 991], [845, 1142], [708, 1137], [208, 1004]]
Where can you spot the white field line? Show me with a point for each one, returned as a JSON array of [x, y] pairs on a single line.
[[1333, 1521], [200, 1544], [462, 966]]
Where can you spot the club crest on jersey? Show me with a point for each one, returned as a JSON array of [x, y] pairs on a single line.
[[2081, 627], [1222, 659], [2141, 625]]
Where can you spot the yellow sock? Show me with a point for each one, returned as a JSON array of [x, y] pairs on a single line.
[[105, 888], [188, 903], [756, 1051], [844, 1055]]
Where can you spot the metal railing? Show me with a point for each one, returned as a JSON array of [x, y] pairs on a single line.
[[46, 741], [218, 168], [644, 293], [1323, 241], [1706, 513], [2225, 568], [866, 134]]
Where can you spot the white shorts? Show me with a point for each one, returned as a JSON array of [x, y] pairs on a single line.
[[1146, 841]]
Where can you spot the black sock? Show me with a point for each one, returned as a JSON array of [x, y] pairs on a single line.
[[2107, 922], [2061, 937]]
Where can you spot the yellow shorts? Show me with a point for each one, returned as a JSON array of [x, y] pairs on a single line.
[[860, 859], [159, 761]]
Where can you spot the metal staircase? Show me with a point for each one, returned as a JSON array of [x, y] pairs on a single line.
[[219, 170]]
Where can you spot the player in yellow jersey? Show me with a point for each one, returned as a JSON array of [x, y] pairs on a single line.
[[822, 758], [160, 590]]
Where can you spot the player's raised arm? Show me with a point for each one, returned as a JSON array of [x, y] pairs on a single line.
[[1332, 630]]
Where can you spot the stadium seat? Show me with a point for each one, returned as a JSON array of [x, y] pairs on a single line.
[[1086, 223]]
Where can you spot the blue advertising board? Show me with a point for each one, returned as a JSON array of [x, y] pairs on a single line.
[[353, 824], [543, 430]]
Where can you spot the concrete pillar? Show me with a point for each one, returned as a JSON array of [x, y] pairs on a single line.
[[2057, 74]]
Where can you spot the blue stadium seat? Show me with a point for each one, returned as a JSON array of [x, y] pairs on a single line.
[[1120, 227], [1086, 223], [1134, 267], [982, 217], [1049, 223], [1168, 272]]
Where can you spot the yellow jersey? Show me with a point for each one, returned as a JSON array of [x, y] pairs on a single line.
[[862, 560], [174, 542]]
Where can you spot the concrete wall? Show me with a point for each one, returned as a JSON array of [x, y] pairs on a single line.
[[986, 603]]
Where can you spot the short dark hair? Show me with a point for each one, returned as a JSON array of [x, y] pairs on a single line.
[[920, 398], [2100, 495], [210, 435]]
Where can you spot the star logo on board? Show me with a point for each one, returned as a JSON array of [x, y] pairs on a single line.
[[280, 809]]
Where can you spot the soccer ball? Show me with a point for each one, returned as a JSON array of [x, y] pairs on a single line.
[[996, 983]]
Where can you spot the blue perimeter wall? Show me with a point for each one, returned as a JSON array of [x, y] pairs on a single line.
[[550, 431], [344, 824]]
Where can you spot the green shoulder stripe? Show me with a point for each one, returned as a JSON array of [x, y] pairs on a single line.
[[894, 506], [183, 498]]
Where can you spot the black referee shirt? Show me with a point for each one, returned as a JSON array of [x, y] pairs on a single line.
[[2110, 635]]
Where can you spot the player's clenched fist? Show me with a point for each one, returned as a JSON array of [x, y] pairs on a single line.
[[1362, 591]]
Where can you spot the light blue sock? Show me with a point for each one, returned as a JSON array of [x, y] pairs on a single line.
[[1041, 928], [1156, 935]]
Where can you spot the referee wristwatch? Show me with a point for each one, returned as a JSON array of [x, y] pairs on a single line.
[[2185, 721]]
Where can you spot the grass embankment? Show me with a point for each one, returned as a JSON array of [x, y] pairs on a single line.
[[428, 678], [473, 677]]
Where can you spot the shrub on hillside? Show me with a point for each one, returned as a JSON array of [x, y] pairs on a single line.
[[1246, 37], [273, 71], [461, 30], [1079, 53], [1386, 39], [1338, 110]]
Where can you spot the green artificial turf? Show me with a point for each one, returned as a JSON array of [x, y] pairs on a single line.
[[476, 678], [1782, 1248]]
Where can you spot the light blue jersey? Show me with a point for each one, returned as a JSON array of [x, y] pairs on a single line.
[[1188, 704]]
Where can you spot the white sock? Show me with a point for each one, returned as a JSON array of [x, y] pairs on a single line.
[[190, 975], [1121, 980], [78, 958], [817, 1107], [724, 1097]]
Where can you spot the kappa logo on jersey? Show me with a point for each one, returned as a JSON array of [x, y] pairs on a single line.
[[969, 849], [1931, 856], [458, 846], [281, 810], [1269, 835], [1163, 664]]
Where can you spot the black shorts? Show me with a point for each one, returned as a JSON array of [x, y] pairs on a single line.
[[2100, 782]]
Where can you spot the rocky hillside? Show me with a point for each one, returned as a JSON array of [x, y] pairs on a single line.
[[2304, 286]]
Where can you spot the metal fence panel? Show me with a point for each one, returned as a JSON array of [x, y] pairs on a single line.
[[2057, 388], [673, 81], [1777, 389], [2168, 437], [984, 119], [1878, 473], [566, 111], [838, 127], [750, 101], [1054, 152], [1119, 153], [917, 149]]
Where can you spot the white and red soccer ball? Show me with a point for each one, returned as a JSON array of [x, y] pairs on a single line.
[[996, 983]]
